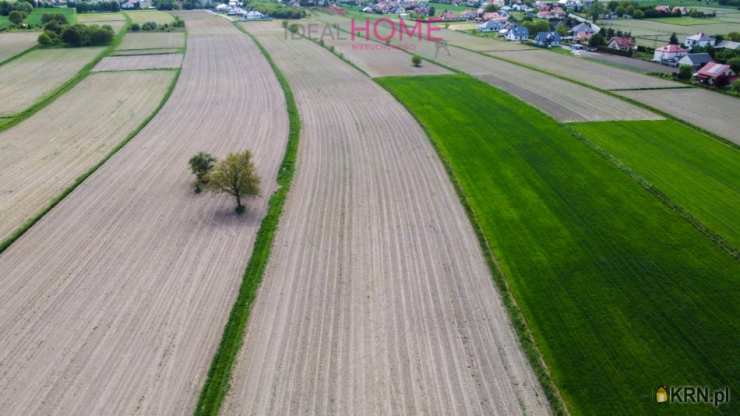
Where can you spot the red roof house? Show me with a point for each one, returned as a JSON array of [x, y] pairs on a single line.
[[622, 43], [714, 73]]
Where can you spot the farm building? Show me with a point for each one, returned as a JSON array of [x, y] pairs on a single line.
[[714, 73], [547, 39], [696, 60], [621, 43], [669, 53], [517, 33], [699, 40]]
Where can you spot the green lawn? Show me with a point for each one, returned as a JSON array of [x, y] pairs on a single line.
[[143, 16], [696, 171], [621, 294], [35, 17], [686, 20], [440, 7]]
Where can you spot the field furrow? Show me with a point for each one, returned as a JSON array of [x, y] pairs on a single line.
[[377, 299], [43, 155], [29, 78], [139, 62], [13, 43], [115, 302]]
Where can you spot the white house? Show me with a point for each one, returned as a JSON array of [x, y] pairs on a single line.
[[669, 53], [699, 40]]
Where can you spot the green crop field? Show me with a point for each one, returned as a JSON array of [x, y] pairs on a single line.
[[621, 293], [696, 171], [35, 17], [143, 16]]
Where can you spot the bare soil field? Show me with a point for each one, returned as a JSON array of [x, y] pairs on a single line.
[[563, 100], [42, 156], [139, 62], [160, 51], [100, 17], [632, 64], [709, 110], [143, 16], [376, 59], [25, 80], [13, 43], [376, 300], [591, 73], [115, 302], [157, 40], [479, 43]]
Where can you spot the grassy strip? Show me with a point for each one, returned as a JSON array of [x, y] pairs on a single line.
[[33, 220], [219, 375], [16, 56], [606, 278], [69, 84]]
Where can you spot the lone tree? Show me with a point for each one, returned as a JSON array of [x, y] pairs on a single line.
[[416, 60], [16, 17], [201, 164], [236, 176], [674, 39]]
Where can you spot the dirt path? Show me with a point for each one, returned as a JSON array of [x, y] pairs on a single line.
[[377, 300], [115, 302], [43, 155]]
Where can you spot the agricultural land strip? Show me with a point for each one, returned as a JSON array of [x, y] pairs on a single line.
[[139, 62], [155, 40], [29, 78], [382, 302], [563, 100], [607, 276], [14, 43], [115, 301], [100, 17], [156, 16], [42, 156], [693, 169], [716, 113], [154, 51]]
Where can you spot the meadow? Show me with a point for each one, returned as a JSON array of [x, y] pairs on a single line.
[[620, 293], [35, 17], [696, 171]]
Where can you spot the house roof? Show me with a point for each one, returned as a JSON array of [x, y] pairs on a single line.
[[695, 59], [671, 48], [713, 70], [547, 37], [699, 37], [623, 42], [728, 44], [519, 31], [582, 27]]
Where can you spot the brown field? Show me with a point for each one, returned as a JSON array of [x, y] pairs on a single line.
[[143, 16], [42, 156], [376, 59], [100, 17], [138, 62], [478, 43], [157, 40], [115, 302], [563, 100], [25, 80], [13, 43], [161, 51], [709, 110], [632, 64], [583, 70], [376, 299]]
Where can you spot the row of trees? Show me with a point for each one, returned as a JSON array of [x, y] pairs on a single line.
[[102, 6], [153, 26], [235, 175], [58, 33], [16, 12]]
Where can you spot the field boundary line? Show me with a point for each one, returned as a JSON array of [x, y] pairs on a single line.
[[714, 236], [19, 54], [608, 92], [526, 340], [18, 232], [69, 84], [218, 381]]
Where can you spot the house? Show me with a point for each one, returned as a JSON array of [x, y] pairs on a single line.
[[696, 60], [583, 28], [663, 9], [621, 43], [519, 33], [490, 26], [728, 44], [669, 53], [680, 10], [699, 40], [547, 39], [714, 73]]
